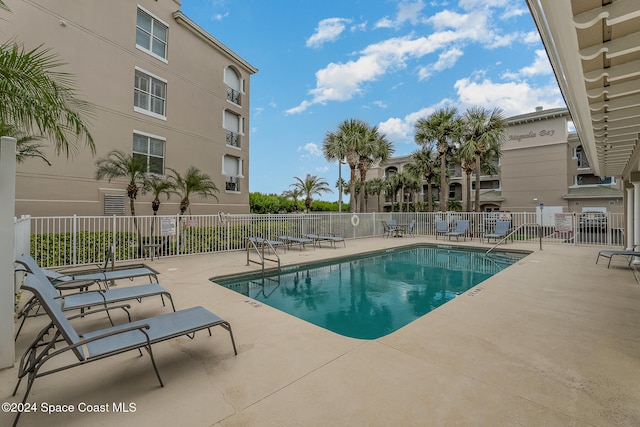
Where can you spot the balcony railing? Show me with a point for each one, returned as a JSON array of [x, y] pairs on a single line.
[[232, 184], [233, 139], [233, 96]]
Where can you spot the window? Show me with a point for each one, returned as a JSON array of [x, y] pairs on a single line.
[[151, 148], [590, 179], [232, 169], [234, 85], [233, 125], [582, 159], [151, 34], [149, 94]]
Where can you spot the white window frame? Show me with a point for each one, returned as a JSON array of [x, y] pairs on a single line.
[[147, 154], [240, 130], [226, 174], [240, 82], [166, 42], [145, 111]]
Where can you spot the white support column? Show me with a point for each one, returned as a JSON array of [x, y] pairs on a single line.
[[7, 230], [629, 236], [636, 217]]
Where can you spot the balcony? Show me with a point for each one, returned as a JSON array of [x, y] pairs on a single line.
[[233, 96], [232, 184], [233, 139]]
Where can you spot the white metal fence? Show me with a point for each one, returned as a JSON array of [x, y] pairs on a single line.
[[81, 240]]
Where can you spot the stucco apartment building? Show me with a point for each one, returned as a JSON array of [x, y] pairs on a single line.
[[161, 88], [542, 164]]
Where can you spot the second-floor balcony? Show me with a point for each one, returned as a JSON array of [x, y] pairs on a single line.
[[233, 139], [233, 96]]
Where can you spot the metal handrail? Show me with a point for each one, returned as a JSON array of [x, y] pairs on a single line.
[[263, 258], [513, 231]]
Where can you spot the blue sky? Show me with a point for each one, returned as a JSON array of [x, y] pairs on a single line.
[[386, 62]]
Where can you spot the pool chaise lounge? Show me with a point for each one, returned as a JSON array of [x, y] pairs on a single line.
[[301, 241], [103, 275], [332, 239], [59, 337], [87, 299], [607, 253]]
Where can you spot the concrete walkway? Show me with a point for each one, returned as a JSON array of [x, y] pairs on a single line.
[[552, 341]]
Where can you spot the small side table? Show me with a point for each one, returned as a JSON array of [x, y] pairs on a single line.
[[151, 249]]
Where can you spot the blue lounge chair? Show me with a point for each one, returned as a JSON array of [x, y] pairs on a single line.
[[462, 228], [289, 241], [500, 231], [442, 227], [607, 253], [86, 299], [59, 337], [102, 275], [331, 238]]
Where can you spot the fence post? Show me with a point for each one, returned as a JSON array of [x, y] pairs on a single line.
[[7, 236], [74, 239]]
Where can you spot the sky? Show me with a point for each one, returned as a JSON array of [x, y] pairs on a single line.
[[386, 62]]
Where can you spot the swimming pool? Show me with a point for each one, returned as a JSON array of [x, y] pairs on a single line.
[[372, 295]]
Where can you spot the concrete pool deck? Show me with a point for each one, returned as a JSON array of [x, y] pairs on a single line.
[[552, 341]]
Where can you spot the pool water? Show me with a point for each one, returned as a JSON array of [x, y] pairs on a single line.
[[370, 296]]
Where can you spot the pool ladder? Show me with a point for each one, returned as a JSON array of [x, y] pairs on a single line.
[[259, 247]]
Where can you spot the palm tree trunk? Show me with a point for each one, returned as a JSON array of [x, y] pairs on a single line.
[[477, 208], [468, 184], [352, 188], [444, 191]]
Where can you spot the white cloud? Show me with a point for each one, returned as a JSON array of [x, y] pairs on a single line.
[[311, 150], [446, 60], [328, 30], [407, 11], [220, 16], [342, 81], [540, 66], [380, 104], [512, 97], [402, 130]]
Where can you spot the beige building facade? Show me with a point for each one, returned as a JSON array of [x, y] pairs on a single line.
[[542, 165], [161, 88]]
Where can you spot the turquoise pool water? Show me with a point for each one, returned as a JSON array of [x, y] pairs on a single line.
[[371, 296]]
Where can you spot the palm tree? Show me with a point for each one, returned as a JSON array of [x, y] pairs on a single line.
[[424, 166], [347, 144], [484, 132], [468, 165], [403, 181], [33, 95], [119, 164], [158, 186], [376, 148], [26, 145], [193, 182], [442, 129], [293, 194], [375, 187], [310, 186]]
